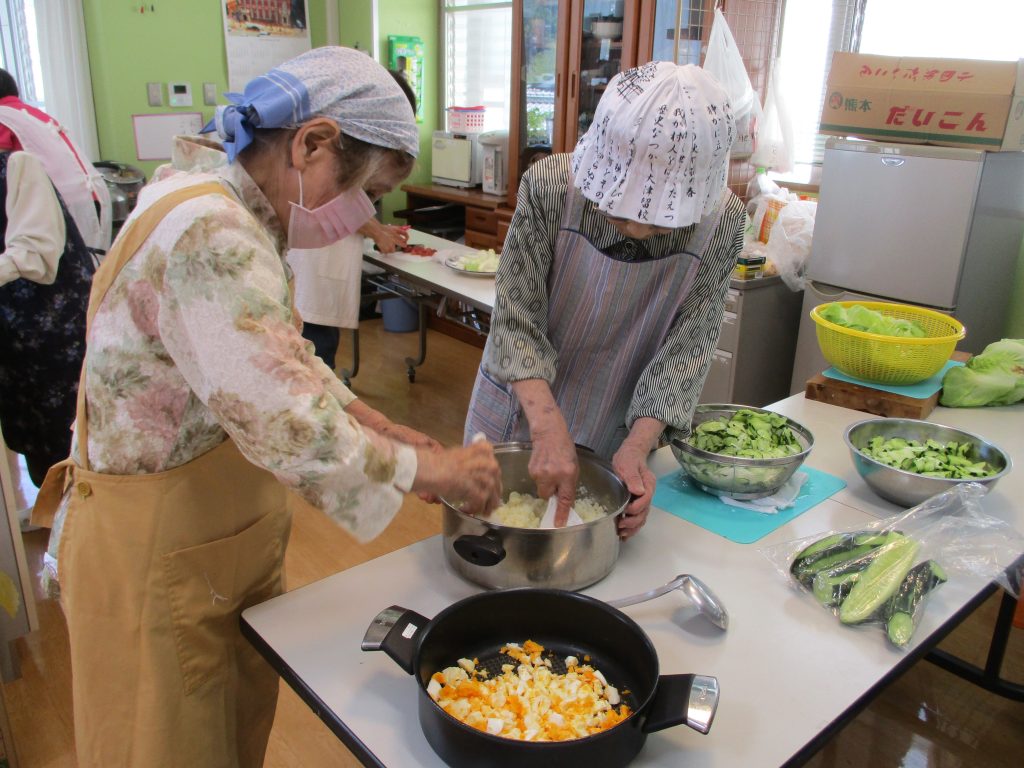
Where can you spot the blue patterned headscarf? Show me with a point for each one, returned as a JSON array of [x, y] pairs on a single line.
[[340, 83]]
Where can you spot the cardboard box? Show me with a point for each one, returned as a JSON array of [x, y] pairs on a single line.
[[951, 102]]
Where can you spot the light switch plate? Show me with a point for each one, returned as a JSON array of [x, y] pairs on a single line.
[[210, 94], [154, 92]]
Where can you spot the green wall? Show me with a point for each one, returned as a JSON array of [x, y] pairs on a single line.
[[355, 22], [182, 41], [420, 18]]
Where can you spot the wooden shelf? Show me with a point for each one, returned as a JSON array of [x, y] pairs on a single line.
[[471, 197]]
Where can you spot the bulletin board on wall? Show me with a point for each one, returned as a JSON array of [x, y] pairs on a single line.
[[405, 54], [154, 133]]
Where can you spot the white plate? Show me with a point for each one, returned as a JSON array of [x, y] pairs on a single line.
[[452, 262]]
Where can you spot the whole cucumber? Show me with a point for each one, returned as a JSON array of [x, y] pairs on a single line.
[[901, 612], [879, 581]]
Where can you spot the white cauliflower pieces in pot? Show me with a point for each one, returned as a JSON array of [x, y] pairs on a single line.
[[524, 510]]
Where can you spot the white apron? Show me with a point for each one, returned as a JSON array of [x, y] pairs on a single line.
[[80, 185], [327, 282]]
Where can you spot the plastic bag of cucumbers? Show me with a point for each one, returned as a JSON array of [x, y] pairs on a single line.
[[883, 574]]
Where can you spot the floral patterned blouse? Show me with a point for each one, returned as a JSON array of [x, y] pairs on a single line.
[[195, 342]]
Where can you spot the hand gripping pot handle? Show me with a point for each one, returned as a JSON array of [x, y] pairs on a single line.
[[394, 631], [678, 699]]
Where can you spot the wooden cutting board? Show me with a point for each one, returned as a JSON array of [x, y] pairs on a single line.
[[874, 401]]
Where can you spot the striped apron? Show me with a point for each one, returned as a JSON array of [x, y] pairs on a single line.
[[607, 319]]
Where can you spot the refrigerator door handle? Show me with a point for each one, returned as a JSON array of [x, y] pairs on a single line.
[[893, 162], [826, 291]]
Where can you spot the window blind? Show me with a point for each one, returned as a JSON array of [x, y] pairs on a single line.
[[812, 31], [478, 58]]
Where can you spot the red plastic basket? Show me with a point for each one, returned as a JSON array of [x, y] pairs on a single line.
[[466, 119]]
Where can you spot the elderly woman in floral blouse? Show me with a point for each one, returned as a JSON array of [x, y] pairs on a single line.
[[200, 402]]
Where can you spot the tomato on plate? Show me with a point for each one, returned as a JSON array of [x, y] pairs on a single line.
[[418, 250]]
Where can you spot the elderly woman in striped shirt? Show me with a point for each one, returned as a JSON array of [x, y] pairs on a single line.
[[611, 285]]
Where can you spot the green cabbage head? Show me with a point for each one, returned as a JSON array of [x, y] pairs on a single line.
[[995, 377], [860, 318]]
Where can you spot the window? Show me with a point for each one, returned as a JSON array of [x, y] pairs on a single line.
[[813, 29], [478, 57], [19, 53]]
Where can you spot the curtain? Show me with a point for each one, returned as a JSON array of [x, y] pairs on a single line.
[[67, 83]]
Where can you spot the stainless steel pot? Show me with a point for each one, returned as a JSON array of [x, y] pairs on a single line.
[[124, 182], [498, 556]]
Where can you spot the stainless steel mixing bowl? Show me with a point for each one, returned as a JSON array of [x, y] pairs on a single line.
[[734, 476], [909, 489]]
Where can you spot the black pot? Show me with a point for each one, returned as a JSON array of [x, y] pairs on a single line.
[[567, 624]]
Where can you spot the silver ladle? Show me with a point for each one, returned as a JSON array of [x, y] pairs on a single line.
[[700, 595]]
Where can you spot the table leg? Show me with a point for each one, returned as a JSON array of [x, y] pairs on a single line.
[[988, 678], [411, 364], [346, 374]]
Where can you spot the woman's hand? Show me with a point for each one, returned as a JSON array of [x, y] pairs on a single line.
[[554, 467], [403, 434], [553, 464], [382, 425], [411, 437], [469, 477], [387, 237], [630, 464]]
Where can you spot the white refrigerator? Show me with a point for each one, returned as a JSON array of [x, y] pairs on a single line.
[[938, 227]]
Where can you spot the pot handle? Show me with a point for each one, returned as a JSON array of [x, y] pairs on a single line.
[[394, 631], [485, 550], [678, 699]]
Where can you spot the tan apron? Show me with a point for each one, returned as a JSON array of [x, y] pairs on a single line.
[[154, 572]]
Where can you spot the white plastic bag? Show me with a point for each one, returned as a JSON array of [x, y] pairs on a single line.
[[789, 244], [724, 63], [760, 213], [773, 147], [947, 537]]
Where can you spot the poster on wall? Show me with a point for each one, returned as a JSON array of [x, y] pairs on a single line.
[[260, 34], [405, 55]]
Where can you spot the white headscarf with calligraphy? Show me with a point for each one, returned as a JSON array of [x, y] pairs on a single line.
[[657, 151]]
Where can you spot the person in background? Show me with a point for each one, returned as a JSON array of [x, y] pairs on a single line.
[[40, 377], [81, 187], [611, 285], [328, 285], [201, 403], [45, 274], [328, 280]]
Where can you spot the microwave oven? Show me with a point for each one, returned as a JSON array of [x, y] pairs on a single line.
[[456, 159]]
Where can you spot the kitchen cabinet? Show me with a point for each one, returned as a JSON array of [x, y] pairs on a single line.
[[753, 360], [481, 211], [564, 54], [674, 30]]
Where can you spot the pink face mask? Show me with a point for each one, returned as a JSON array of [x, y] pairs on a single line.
[[329, 223]]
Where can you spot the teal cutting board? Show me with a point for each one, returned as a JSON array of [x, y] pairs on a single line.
[[920, 391], [676, 494]]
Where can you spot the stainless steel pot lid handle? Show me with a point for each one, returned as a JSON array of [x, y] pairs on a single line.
[[699, 593]]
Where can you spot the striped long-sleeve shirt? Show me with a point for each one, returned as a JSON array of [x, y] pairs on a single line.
[[519, 324]]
